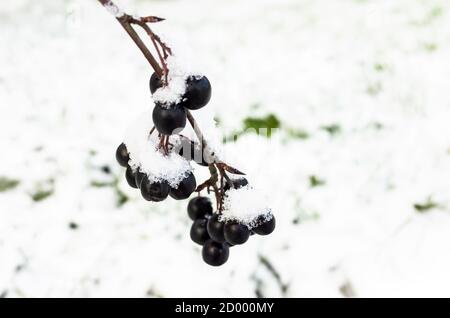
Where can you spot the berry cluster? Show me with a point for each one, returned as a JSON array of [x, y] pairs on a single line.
[[155, 191], [167, 120], [230, 222], [217, 236], [215, 233], [171, 117]]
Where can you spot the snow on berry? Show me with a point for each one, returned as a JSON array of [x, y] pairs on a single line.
[[247, 206], [173, 92], [145, 155]]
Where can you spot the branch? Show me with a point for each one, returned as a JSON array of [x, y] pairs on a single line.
[[196, 129], [125, 21]]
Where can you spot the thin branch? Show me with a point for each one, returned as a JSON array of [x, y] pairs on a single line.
[[125, 21], [196, 129]]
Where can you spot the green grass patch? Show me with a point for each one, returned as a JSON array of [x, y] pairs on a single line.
[[40, 195], [257, 124], [315, 181], [7, 184], [297, 133], [332, 129], [426, 206]]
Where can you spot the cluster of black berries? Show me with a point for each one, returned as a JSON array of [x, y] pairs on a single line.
[[151, 190], [172, 118], [169, 119], [217, 236]]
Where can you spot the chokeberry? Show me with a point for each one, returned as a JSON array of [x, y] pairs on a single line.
[[265, 228], [138, 177], [198, 92], [155, 82], [236, 233], [154, 191], [237, 184], [185, 188], [215, 253], [215, 229], [199, 207], [122, 155], [198, 233], [169, 119], [129, 175]]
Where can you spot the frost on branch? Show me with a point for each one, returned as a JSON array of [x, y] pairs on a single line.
[[145, 156], [113, 9], [247, 206]]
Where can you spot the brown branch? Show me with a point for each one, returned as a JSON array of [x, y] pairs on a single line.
[[125, 21], [196, 129], [158, 45]]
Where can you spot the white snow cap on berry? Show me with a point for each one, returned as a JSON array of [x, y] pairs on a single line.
[[145, 156], [247, 206], [176, 86]]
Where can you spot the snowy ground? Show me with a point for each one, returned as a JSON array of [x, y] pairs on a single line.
[[358, 173]]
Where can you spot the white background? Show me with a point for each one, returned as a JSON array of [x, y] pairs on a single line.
[[71, 81]]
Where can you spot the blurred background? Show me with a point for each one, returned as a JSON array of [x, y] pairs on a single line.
[[358, 170]]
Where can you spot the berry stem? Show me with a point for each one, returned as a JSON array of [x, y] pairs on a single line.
[[196, 129]]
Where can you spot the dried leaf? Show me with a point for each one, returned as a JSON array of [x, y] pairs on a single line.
[[230, 169]]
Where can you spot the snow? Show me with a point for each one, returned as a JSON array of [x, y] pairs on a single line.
[[247, 206], [173, 92], [145, 155], [71, 82], [114, 9]]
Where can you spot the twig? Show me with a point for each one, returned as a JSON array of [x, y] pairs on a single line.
[[197, 130], [124, 20]]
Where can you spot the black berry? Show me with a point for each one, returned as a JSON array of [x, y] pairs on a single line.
[[198, 233], [236, 233], [185, 188], [129, 175], [199, 207], [198, 92], [214, 253], [122, 155], [169, 119], [155, 83], [215, 229], [154, 191], [266, 227], [237, 184], [138, 177]]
